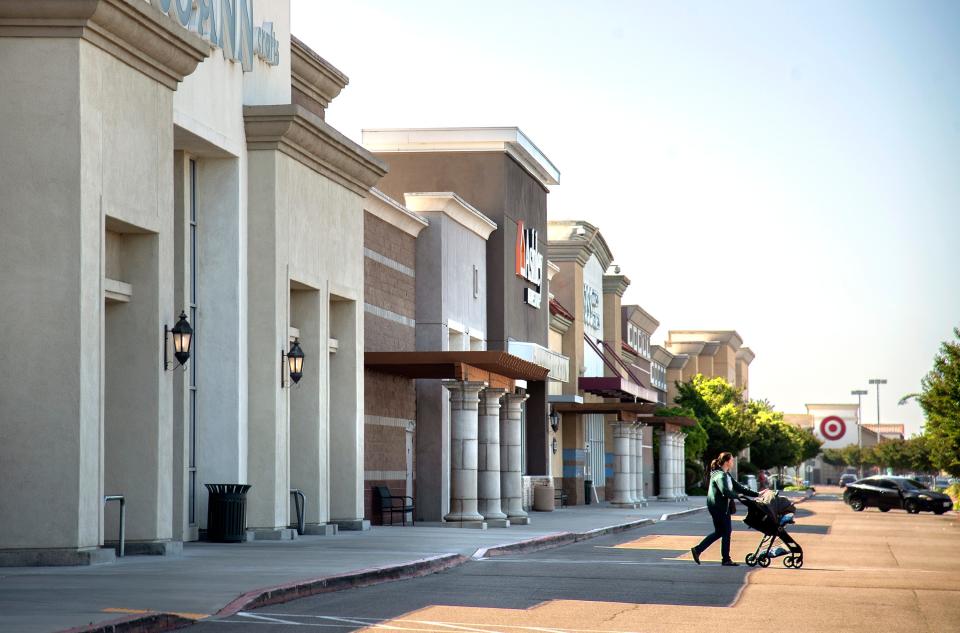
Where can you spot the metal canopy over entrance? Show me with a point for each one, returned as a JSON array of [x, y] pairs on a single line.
[[496, 368]]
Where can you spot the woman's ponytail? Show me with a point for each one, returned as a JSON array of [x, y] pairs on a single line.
[[720, 460]]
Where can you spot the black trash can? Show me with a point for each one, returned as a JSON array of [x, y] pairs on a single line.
[[227, 512], [587, 491]]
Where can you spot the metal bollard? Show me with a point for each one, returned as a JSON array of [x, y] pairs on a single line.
[[300, 505], [123, 516]]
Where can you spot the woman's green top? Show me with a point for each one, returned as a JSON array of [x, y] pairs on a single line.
[[723, 489]]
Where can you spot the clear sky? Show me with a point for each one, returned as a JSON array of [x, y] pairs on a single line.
[[790, 170]]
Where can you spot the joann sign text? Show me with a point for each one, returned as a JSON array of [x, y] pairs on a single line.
[[227, 25]]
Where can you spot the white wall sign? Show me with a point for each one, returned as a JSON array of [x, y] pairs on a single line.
[[529, 263], [591, 307], [227, 25]]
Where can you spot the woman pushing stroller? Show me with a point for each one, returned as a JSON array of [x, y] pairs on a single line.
[[721, 494]]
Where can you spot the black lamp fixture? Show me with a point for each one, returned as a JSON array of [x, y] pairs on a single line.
[[554, 420], [182, 335], [294, 363]]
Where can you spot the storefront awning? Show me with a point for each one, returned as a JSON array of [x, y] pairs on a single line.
[[497, 368], [628, 411], [615, 387]]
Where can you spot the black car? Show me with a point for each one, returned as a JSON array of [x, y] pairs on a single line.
[[895, 492]]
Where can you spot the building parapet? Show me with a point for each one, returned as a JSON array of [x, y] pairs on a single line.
[[557, 363]]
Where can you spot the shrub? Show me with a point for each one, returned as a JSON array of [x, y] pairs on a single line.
[[746, 468], [696, 491], [954, 491]]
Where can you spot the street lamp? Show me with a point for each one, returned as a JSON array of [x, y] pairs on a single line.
[[859, 393], [878, 382]]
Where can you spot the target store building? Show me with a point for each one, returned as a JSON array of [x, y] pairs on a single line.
[[836, 426]]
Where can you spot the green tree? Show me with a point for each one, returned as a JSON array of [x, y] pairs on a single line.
[[721, 411], [940, 401], [918, 450], [833, 456], [893, 454], [806, 442], [853, 456], [773, 446]]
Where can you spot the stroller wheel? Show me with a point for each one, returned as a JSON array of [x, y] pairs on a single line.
[[798, 562], [763, 560], [788, 561], [750, 560]]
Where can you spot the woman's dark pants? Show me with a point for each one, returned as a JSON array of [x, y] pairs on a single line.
[[721, 530]]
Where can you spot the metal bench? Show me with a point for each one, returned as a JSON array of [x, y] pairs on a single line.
[[391, 504], [559, 494]]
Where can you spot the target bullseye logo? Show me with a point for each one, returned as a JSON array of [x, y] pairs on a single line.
[[833, 428]]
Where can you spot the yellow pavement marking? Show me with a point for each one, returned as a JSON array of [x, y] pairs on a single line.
[[182, 614]]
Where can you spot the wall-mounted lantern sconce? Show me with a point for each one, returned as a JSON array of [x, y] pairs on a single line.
[[293, 364], [182, 335], [554, 421]]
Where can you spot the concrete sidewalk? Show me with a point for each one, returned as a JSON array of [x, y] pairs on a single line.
[[211, 577]]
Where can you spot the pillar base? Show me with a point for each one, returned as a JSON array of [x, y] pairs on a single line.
[[321, 529], [475, 525], [356, 525], [498, 523], [148, 548], [56, 557], [622, 504], [274, 534], [519, 520]]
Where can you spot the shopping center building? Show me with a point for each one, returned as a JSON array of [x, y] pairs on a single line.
[[502, 175], [161, 160]]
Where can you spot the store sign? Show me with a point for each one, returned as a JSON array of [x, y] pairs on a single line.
[[591, 307], [227, 25], [529, 263]]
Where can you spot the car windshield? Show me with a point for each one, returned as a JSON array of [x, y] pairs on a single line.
[[911, 484]]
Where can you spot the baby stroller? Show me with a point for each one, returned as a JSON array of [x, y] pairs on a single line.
[[770, 514]]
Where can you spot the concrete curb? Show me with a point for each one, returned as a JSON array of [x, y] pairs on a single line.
[[325, 584], [140, 623], [256, 598], [682, 513]]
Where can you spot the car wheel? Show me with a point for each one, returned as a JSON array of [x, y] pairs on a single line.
[[911, 506], [884, 509], [940, 510], [857, 504]]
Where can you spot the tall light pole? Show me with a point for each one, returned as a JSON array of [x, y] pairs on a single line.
[[859, 393], [878, 382]]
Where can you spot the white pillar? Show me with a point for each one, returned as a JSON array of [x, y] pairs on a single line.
[[464, 423], [621, 466], [638, 465], [666, 468], [511, 483], [682, 460], [632, 463], [488, 459]]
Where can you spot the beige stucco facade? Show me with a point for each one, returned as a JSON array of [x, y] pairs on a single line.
[[146, 172], [712, 353]]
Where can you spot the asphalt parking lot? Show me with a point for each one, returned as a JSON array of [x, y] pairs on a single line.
[[863, 572]]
